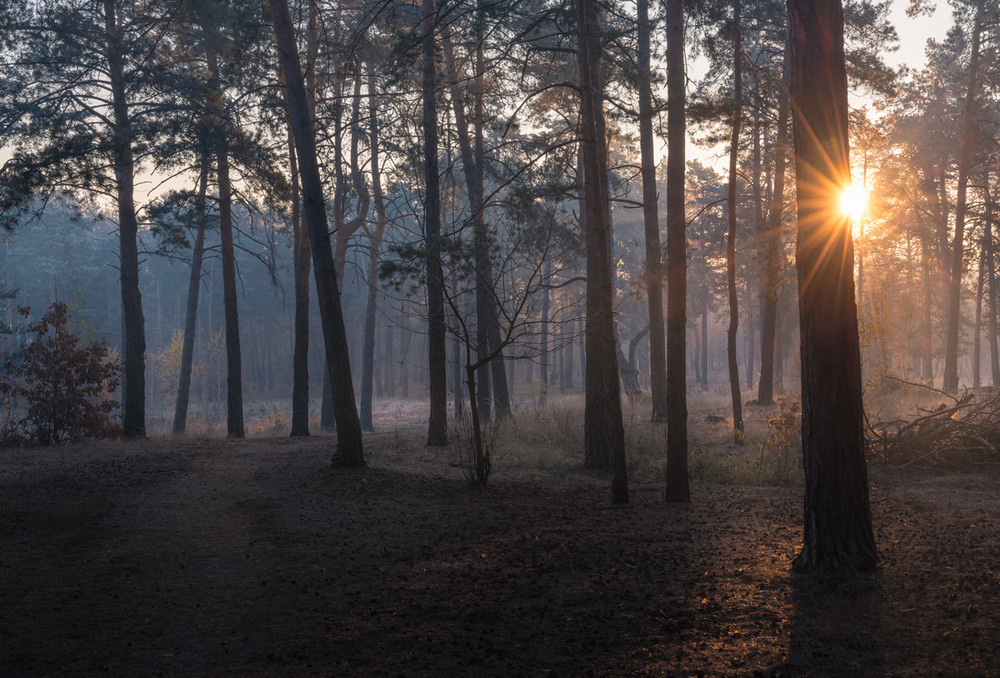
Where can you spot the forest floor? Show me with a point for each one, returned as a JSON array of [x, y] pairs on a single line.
[[207, 557]]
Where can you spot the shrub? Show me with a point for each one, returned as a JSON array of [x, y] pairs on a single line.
[[64, 383]]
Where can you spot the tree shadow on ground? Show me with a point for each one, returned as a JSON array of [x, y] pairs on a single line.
[[836, 627]]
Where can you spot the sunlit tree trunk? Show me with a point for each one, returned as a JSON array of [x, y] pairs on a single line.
[[654, 273], [437, 356], [191, 316], [677, 487], [734, 144], [838, 528], [349, 451], [604, 432], [958, 243], [133, 323]]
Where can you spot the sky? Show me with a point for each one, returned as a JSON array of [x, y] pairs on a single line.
[[913, 33]]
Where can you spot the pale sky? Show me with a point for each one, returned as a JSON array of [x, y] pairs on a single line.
[[913, 33]]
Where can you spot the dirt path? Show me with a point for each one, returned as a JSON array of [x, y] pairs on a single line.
[[250, 558]]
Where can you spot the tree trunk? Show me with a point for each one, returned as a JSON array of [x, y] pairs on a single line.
[[977, 332], [958, 244], [133, 323], [654, 273], [677, 488], [772, 241], [191, 317], [349, 451], [604, 434], [734, 315], [437, 357], [543, 350], [374, 246], [991, 309], [234, 363], [300, 265], [301, 249], [838, 528]]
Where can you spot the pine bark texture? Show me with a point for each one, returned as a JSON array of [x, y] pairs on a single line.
[[838, 528], [677, 486], [349, 450], [604, 434]]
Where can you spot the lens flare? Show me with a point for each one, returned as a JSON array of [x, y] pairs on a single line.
[[853, 202]]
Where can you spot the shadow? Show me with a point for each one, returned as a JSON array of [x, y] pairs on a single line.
[[836, 626]]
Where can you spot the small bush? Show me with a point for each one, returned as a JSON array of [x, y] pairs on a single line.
[[64, 383]]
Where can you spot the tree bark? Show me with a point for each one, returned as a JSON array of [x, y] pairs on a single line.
[[133, 323], [958, 244], [437, 356], [734, 144], [349, 451], [677, 487], [654, 272], [604, 434], [838, 529], [191, 316]]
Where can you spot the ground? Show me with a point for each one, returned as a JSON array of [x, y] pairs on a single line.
[[200, 557]]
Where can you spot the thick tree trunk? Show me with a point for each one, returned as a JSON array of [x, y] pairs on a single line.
[[838, 529], [604, 434], [772, 241], [349, 451], [677, 488], [437, 356], [654, 273], [133, 323], [374, 246], [191, 317], [734, 314], [958, 244]]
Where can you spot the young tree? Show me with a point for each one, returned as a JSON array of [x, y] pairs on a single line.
[[838, 529]]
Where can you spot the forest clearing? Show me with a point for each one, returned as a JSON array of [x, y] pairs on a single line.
[[203, 556]]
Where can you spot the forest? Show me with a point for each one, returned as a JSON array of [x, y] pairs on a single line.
[[499, 337]]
